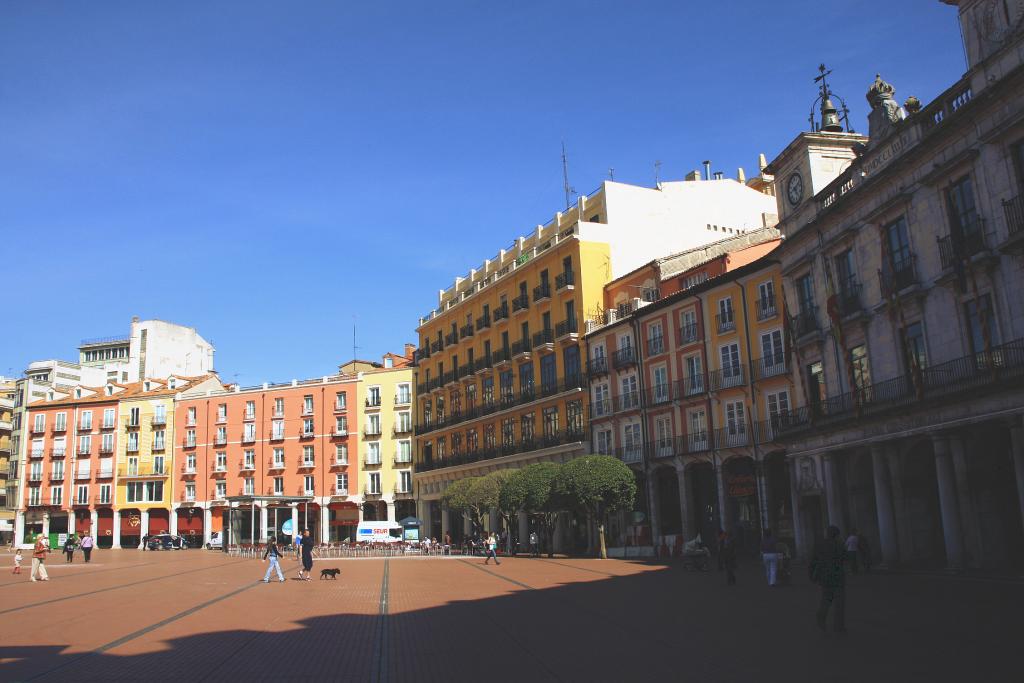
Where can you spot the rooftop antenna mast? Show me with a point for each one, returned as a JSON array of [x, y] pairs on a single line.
[[833, 120], [569, 191], [657, 172], [354, 347]]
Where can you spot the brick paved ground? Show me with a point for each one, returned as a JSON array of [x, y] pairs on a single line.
[[198, 615]]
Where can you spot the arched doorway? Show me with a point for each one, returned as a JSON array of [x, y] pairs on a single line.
[[669, 513], [704, 512], [994, 534], [780, 498], [744, 510], [922, 516]]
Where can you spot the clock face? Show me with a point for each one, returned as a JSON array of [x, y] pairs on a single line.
[[795, 189]]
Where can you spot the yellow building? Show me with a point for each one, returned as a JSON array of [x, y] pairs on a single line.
[[8, 483], [385, 401]]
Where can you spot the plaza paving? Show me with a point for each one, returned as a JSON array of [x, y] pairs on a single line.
[[198, 615]]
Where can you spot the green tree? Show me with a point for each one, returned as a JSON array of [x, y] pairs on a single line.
[[457, 497], [511, 495], [473, 497], [537, 481], [596, 485]]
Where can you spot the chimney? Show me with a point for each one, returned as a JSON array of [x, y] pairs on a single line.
[[741, 176], [718, 175], [692, 175], [761, 162], [410, 349], [707, 170]]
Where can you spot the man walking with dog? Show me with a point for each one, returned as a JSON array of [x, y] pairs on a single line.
[[306, 551], [274, 555]]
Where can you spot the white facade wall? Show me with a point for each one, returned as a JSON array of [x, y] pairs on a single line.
[[170, 349]]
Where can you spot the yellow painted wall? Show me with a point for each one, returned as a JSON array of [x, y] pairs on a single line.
[[145, 453]]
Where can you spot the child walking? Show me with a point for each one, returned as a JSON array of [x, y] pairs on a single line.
[[17, 562]]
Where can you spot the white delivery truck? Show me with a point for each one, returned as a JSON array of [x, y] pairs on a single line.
[[378, 532]]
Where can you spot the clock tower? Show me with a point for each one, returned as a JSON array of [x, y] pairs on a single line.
[[815, 158]]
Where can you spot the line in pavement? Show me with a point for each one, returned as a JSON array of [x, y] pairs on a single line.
[[488, 571], [98, 571], [111, 588], [572, 566], [148, 629], [380, 658]]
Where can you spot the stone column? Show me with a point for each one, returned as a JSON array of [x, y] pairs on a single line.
[[295, 520], [264, 532], [46, 525], [207, 523], [524, 530], [684, 502], [1017, 449], [390, 504], [116, 541], [19, 528], [94, 524], [493, 521], [724, 517], [325, 524], [445, 519], [652, 502], [172, 522], [467, 525], [904, 548], [144, 526], [833, 500], [558, 542], [968, 513], [798, 521], [952, 532], [883, 506]]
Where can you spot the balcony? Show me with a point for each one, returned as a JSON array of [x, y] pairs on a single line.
[[218, 440], [35, 476], [36, 453], [466, 331], [527, 393], [769, 366], [660, 395], [249, 438], [521, 348], [520, 303], [436, 347], [401, 429], [628, 401], [962, 245], [37, 428], [766, 309], [565, 280], [56, 475], [81, 428], [601, 409], [305, 433], [372, 432], [275, 464], [544, 341], [483, 322], [103, 500], [402, 461], [451, 339], [158, 420], [83, 475], [725, 322], [373, 401], [1013, 210], [105, 473], [502, 356], [400, 491], [465, 371], [624, 358], [142, 471], [60, 427], [500, 314], [340, 463], [848, 300], [246, 466], [188, 469], [541, 292], [630, 454], [84, 451], [448, 378], [570, 436], [371, 462], [276, 435], [482, 364], [898, 276], [726, 378], [80, 502], [307, 464], [370, 493], [693, 385], [335, 491], [59, 452], [219, 468], [597, 366], [732, 437], [656, 346], [805, 323], [107, 425]]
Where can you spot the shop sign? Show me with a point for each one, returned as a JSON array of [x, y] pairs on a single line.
[[741, 485]]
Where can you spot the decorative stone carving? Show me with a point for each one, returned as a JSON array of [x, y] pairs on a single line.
[[885, 111], [912, 105], [807, 475]]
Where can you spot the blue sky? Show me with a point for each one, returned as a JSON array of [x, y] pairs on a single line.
[[270, 172]]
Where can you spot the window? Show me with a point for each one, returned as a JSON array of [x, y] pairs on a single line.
[[505, 383], [660, 392], [732, 371], [373, 396], [190, 439], [190, 417], [663, 433], [550, 417], [655, 339], [861, 371], [815, 384], [574, 418], [373, 453], [278, 486], [604, 442], [697, 430], [571, 365], [249, 432], [105, 493], [508, 432], [250, 410], [190, 491], [250, 460], [158, 440], [278, 457], [341, 454], [249, 485], [766, 299], [490, 441], [527, 427], [340, 400], [84, 467], [222, 412], [159, 414], [526, 378], [548, 375], [914, 342], [86, 419], [56, 495], [694, 375], [341, 484], [278, 407], [149, 491], [60, 422], [440, 448], [805, 294], [777, 405], [725, 316], [601, 396], [190, 463], [158, 465], [307, 456], [628, 397], [846, 273], [133, 442], [374, 480], [963, 215], [898, 243], [222, 436], [631, 443], [35, 472], [222, 462], [84, 445], [34, 497], [57, 470], [307, 405], [405, 481], [309, 485], [981, 328], [373, 424], [40, 423], [277, 429], [404, 453], [222, 490], [735, 423]]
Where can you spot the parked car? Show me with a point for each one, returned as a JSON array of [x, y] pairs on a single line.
[[166, 542], [216, 541]]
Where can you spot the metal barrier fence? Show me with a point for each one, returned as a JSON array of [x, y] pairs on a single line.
[[345, 550]]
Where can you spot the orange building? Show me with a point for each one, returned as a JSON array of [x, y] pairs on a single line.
[[280, 457]]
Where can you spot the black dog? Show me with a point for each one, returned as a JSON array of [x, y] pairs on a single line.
[[333, 573]]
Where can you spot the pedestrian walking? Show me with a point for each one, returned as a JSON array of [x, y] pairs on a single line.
[[770, 556], [306, 551], [727, 556], [17, 562], [297, 540], [274, 555], [534, 544], [853, 551], [69, 550], [145, 542], [827, 570], [87, 544], [492, 545], [39, 559]]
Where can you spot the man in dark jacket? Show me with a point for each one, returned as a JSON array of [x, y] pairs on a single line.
[[827, 570]]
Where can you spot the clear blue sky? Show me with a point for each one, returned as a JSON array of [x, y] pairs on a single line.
[[265, 171]]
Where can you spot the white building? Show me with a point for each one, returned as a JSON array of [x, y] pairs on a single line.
[[152, 348]]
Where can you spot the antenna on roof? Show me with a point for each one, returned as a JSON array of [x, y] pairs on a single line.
[[569, 190], [611, 173], [354, 347], [657, 172]]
